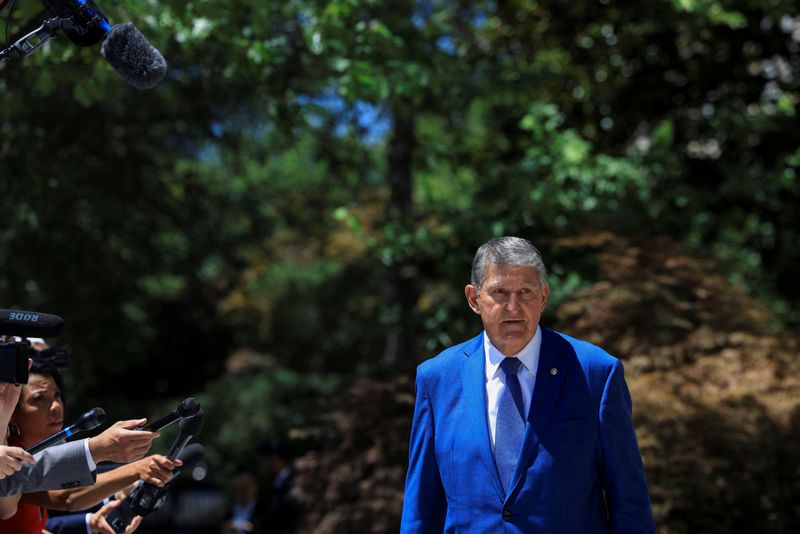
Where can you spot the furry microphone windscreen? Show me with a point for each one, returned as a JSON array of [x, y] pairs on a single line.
[[135, 59]]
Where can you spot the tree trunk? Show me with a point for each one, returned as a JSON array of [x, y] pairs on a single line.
[[403, 291]]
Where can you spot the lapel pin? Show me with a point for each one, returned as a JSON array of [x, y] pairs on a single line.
[[554, 371]]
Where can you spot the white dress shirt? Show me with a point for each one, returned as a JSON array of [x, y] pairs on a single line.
[[496, 378]]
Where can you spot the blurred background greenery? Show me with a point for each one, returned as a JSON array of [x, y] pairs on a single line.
[[287, 221]]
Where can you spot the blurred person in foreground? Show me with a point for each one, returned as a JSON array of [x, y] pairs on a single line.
[[40, 413], [522, 429]]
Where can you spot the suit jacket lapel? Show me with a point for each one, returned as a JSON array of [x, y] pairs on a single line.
[[474, 379], [545, 395]]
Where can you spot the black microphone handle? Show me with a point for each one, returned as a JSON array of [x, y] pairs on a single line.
[[161, 422], [55, 439], [190, 427], [187, 408], [178, 445], [88, 421]]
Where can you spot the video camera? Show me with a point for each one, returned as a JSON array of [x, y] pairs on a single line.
[[15, 349]]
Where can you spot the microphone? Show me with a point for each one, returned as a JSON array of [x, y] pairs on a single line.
[[135, 59], [189, 428], [91, 419], [124, 47], [187, 408], [145, 498], [190, 456], [29, 324]]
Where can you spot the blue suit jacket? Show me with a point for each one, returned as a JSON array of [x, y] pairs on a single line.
[[579, 471]]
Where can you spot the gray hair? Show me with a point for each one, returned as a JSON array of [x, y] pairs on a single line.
[[508, 250]]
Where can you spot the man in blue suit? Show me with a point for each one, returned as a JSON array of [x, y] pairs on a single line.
[[522, 429]]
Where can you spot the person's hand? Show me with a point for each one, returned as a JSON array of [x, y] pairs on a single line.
[[156, 469], [99, 523], [121, 443], [11, 460]]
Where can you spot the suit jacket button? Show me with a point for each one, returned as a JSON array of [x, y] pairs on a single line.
[[506, 515]]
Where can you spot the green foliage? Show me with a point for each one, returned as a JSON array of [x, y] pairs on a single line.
[[270, 402]]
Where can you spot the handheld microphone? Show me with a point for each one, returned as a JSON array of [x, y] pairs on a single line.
[[124, 47], [189, 428], [145, 498], [190, 456], [91, 419], [187, 408], [29, 324]]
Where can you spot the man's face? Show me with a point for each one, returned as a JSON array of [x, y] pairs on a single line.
[[510, 304]]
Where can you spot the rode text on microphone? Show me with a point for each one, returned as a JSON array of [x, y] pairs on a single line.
[[14, 353]]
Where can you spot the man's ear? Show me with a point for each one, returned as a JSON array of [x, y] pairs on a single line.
[[471, 293], [545, 294]]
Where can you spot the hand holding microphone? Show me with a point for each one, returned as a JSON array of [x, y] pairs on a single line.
[[145, 498], [122, 442]]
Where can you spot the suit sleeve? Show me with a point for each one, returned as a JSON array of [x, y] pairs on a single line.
[[60, 467], [68, 524], [624, 479], [424, 502]]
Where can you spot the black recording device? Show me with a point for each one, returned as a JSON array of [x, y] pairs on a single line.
[[14, 354], [145, 498], [14, 362]]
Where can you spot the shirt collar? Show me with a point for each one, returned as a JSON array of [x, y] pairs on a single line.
[[529, 355]]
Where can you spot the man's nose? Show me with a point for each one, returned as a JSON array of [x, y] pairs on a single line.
[[512, 304]]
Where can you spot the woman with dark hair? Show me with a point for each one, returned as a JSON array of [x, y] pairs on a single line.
[[39, 414]]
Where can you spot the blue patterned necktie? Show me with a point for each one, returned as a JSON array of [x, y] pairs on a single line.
[[510, 423]]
